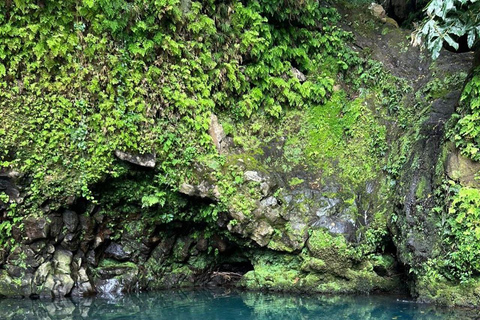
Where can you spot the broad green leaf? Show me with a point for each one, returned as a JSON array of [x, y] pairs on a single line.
[[471, 38], [451, 42]]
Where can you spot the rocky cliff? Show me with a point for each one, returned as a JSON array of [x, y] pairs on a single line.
[[326, 174]]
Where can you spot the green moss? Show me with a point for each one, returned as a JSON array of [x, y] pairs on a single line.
[[443, 292], [321, 243], [110, 264], [422, 184]]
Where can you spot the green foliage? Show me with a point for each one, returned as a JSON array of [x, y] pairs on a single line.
[[448, 20], [8, 219], [462, 237], [466, 132], [79, 80]]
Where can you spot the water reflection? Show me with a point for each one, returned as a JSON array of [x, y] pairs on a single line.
[[212, 305]]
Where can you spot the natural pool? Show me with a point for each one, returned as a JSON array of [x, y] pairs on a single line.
[[226, 305]]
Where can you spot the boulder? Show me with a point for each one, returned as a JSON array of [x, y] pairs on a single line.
[[203, 190], [83, 284], [70, 220], [53, 278], [36, 228], [117, 252], [298, 74], [377, 10], [462, 169], [262, 233]]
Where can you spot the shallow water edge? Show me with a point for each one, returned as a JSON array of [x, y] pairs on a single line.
[[228, 304]]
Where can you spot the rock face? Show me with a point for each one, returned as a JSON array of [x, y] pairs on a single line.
[[143, 160], [219, 138], [279, 222], [462, 169]]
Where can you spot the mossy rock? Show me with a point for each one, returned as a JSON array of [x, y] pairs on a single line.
[[440, 291]]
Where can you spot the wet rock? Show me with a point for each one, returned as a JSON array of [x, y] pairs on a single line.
[[117, 252], [56, 225], [11, 190], [92, 258], [181, 251], [202, 244], [87, 225], [163, 249], [38, 246], [83, 284], [71, 242], [70, 220], [110, 287], [3, 256], [36, 228], [337, 225], [219, 243], [268, 208], [143, 160], [53, 278], [15, 286], [62, 260], [116, 279]]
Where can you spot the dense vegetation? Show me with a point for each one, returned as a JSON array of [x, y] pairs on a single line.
[[82, 79]]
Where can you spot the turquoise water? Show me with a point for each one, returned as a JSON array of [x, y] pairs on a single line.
[[213, 305]]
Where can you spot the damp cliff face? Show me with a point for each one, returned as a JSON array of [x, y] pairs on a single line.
[[150, 147]]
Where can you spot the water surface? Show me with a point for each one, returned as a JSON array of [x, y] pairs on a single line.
[[225, 305]]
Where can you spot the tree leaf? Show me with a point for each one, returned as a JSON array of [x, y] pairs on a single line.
[[451, 42], [471, 38], [3, 71]]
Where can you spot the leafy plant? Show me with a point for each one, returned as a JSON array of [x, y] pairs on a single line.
[[447, 22]]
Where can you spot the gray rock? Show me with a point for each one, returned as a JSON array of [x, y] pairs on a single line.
[[53, 278], [56, 226], [71, 241], [462, 169], [3, 256], [83, 284], [70, 220], [269, 202], [253, 176], [11, 190], [117, 252], [143, 160], [36, 228], [202, 190], [298, 74], [337, 225], [15, 287], [218, 135], [113, 281], [262, 233], [62, 260]]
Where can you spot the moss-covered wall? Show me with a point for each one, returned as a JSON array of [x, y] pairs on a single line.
[[149, 145]]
